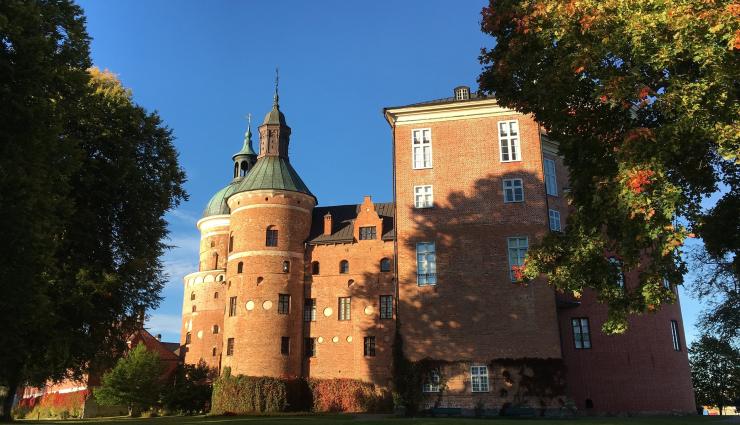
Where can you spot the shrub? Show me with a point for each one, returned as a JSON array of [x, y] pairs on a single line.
[[247, 394], [52, 405], [348, 395]]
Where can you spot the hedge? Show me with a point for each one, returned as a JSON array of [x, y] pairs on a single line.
[[248, 394], [52, 405]]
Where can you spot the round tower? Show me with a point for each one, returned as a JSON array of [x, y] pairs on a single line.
[[271, 212]]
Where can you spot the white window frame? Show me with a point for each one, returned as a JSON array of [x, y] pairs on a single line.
[[509, 141], [581, 333], [512, 188], [422, 145], [432, 383], [479, 379], [423, 192], [554, 218], [551, 179], [518, 247], [675, 335], [429, 267]]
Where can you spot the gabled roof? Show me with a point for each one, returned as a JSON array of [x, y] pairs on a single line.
[[343, 218]]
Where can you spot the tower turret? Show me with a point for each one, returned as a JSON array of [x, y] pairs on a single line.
[[274, 132], [244, 159]]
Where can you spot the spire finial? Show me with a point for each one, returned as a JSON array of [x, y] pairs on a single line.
[[249, 127], [276, 98]]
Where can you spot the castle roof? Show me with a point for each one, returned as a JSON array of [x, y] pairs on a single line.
[[217, 205], [343, 222], [271, 172]]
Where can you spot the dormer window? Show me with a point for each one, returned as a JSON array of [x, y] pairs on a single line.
[[462, 93]]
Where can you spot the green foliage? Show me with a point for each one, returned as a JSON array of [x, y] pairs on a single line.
[[86, 176], [642, 98], [134, 382], [247, 394], [191, 391], [715, 370]]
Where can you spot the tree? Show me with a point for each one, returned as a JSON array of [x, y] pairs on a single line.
[[642, 97], [718, 286], [192, 389], [134, 382], [86, 176], [715, 370]]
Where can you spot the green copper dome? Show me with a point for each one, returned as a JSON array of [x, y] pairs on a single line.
[[271, 172], [217, 205]]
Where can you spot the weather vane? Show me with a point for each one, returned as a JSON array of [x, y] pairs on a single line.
[[277, 81]]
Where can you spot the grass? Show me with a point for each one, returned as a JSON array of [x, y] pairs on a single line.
[[387, 420]]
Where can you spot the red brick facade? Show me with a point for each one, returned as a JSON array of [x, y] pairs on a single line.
[[436, 263]]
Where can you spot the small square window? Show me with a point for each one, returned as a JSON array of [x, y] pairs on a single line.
[[367, 233], [513, 190], [479, 378], [423, 196], [385, 265]]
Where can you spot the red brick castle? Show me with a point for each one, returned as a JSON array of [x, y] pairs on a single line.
[[286, 288]]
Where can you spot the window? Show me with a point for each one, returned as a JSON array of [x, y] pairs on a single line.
[[194, 308], [367, 233], [345, 308], [213, 352], [479, 378], [271, 238], [215, 329], [675, 335], [231, 242], [426, 264], [369, 346], [581, 332], [386, 306], [423, 197], [517, 252], [283, 303], [551, 181], [192, 296], [310, 345], [187, 338], [513, 190], [344, 267], [230, 347], [617, 264], [508, 137], [285, 345], [385, 265], [232, 306], [215, 295], [421, 145], [431, 385], [286, 266], [240, 267], [309, 310], [315, 267], [554, 220], [462, 93]]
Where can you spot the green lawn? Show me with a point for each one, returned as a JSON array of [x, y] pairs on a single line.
[[386, 420]]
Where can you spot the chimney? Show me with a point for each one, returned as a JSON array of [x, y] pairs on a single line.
[[327, 224], [159, 337]]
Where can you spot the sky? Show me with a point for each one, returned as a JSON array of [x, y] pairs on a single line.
[[203, 66]]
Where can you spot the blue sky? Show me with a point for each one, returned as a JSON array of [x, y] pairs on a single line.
[[205, 65]]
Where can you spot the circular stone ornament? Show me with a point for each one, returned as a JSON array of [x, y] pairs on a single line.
[[320, 339], [250, 305], [328, 311], [200, 334], [349, 338], [267, 305], [335, 339], [369, 310]]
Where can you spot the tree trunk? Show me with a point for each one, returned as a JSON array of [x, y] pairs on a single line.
[[8, 402]]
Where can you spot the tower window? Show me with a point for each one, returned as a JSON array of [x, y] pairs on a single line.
[[675, 336], [213, 352], [367, 233], [462, 93], [232, 306], [240, 267], [479, 378], [423, 197], [517, 252], [230, 347], [315, 268], [187, 338], [192, 296], [194, 309], [243, 168], [310, 345], [272, 236], [231, 242], [215, 329], [426, 263], [369, 345], [513, 190], [554, 220], [421, 146], [286, 266], [581, 332], [309, 310], [345, 308], [508, 137], [344, 267], [386, 306], [551, 181], [385, 265], [215, 295], [283, 303], [285, 345]]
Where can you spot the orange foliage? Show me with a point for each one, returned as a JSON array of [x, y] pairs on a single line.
[[639, 180]]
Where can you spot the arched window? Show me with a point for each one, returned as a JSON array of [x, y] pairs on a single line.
[[231, 242], [344, 267], [215, 295], [214, 258], [385, 265], [240, 267], [194, 308], [213, 244], [286, 266], [192, 296], [243, 170], [315, 267], [187, 338], [236, 169], [271, 238], [215, 329]]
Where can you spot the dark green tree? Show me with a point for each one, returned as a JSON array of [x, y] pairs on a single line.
[[191, 390], [643, 99], [715, 370], [135, 381], [86, 176]]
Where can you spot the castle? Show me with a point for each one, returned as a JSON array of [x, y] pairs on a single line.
[[288, 288]]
